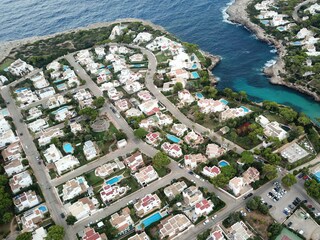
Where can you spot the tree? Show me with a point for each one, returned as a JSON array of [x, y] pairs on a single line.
[[220, 181], [7, 217], [140, 133], [55, 232], [89, 112], [269, 171], [289, 114], [99, 102], [263, 208], [275, 229], [228, 171], [252, 204], [160, 160], [304, 120], [71, 220], [247, 157], [177, 87], [211, 92], [313, 188], [242, 96], [24, 236], [289, 180]]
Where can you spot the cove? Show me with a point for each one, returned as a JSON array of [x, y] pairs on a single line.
[[201, 22]]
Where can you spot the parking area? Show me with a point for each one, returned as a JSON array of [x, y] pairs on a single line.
[[301, 222], [283, 202]]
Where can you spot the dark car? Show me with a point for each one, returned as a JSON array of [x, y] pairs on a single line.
[[247, 196], [190, 172], [62, 215], [21, 134], [289, 224]]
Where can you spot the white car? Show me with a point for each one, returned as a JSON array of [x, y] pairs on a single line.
[[205, 222]]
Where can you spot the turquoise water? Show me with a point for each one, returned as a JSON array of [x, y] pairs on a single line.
[[199, 95], [243, 56], [281, 29], [173, 138], [67, 147], [195, 75], [317, 175], [149, 220], [297, 43], [246, 110], [21, 89], [43, 209], [223, 163], [265, 22], [225, 102], [114, 180]]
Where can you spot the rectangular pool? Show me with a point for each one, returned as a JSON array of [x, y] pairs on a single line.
[[114, 180], [149, 220], [173, 138]]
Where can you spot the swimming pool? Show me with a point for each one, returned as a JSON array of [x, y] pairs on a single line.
[[43, 208], [65, 67], [67, 147], [21, 89], [195, 75], [173, 138], [296, 43], [225, 102], [265, 22], [281, 29], [114, 180], [246, 110], [149, 220], [199, 95], [223, 163], [194, 66]]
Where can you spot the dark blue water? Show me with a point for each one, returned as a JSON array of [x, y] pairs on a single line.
[[200, 22]]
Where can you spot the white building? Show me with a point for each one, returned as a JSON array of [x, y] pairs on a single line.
[[143, 37], [146, 175], [84, 207], [179, 129], [274, 129], [66, 163], [185, 97], [214, 151], [13, 167], [174, 189], [147, 204], [52, 154], [110, 193], [211, 171], [38, 125], [46, 136], [20, 68], [32, 218], [74, 187], [236, 184], [123, 221], [192, 160], [204, 207], [173, 225], [39, 234], [134, 162], [173, 150], [26, 200], [46, 92], [20, 181], [7, 137], [89, 150]]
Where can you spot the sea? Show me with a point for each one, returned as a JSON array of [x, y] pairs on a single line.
[[203, 22]]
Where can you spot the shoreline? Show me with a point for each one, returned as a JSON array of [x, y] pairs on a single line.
[[237, 14]]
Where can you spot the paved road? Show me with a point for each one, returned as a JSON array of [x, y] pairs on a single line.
[[296, 9], [175, 111], [39, 171]]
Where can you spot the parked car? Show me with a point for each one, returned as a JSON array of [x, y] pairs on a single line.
[[247, 196]]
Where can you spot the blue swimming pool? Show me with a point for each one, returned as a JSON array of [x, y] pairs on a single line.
[[245, 109], [223, 163], [65, 67], [199, 95], [21, 89], [43, 209], [296, 43], [195, 75], [173, 138], [67, 147], [281, 29], [149, 220], [317, 175], [265, 22], [114, 180], [194, 66], [225, 102]]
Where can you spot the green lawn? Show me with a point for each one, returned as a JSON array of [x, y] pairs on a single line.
[[92, 179], [162, 58], [6, 63]]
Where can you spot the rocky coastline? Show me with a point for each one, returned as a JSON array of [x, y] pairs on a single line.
[[237, 13]]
